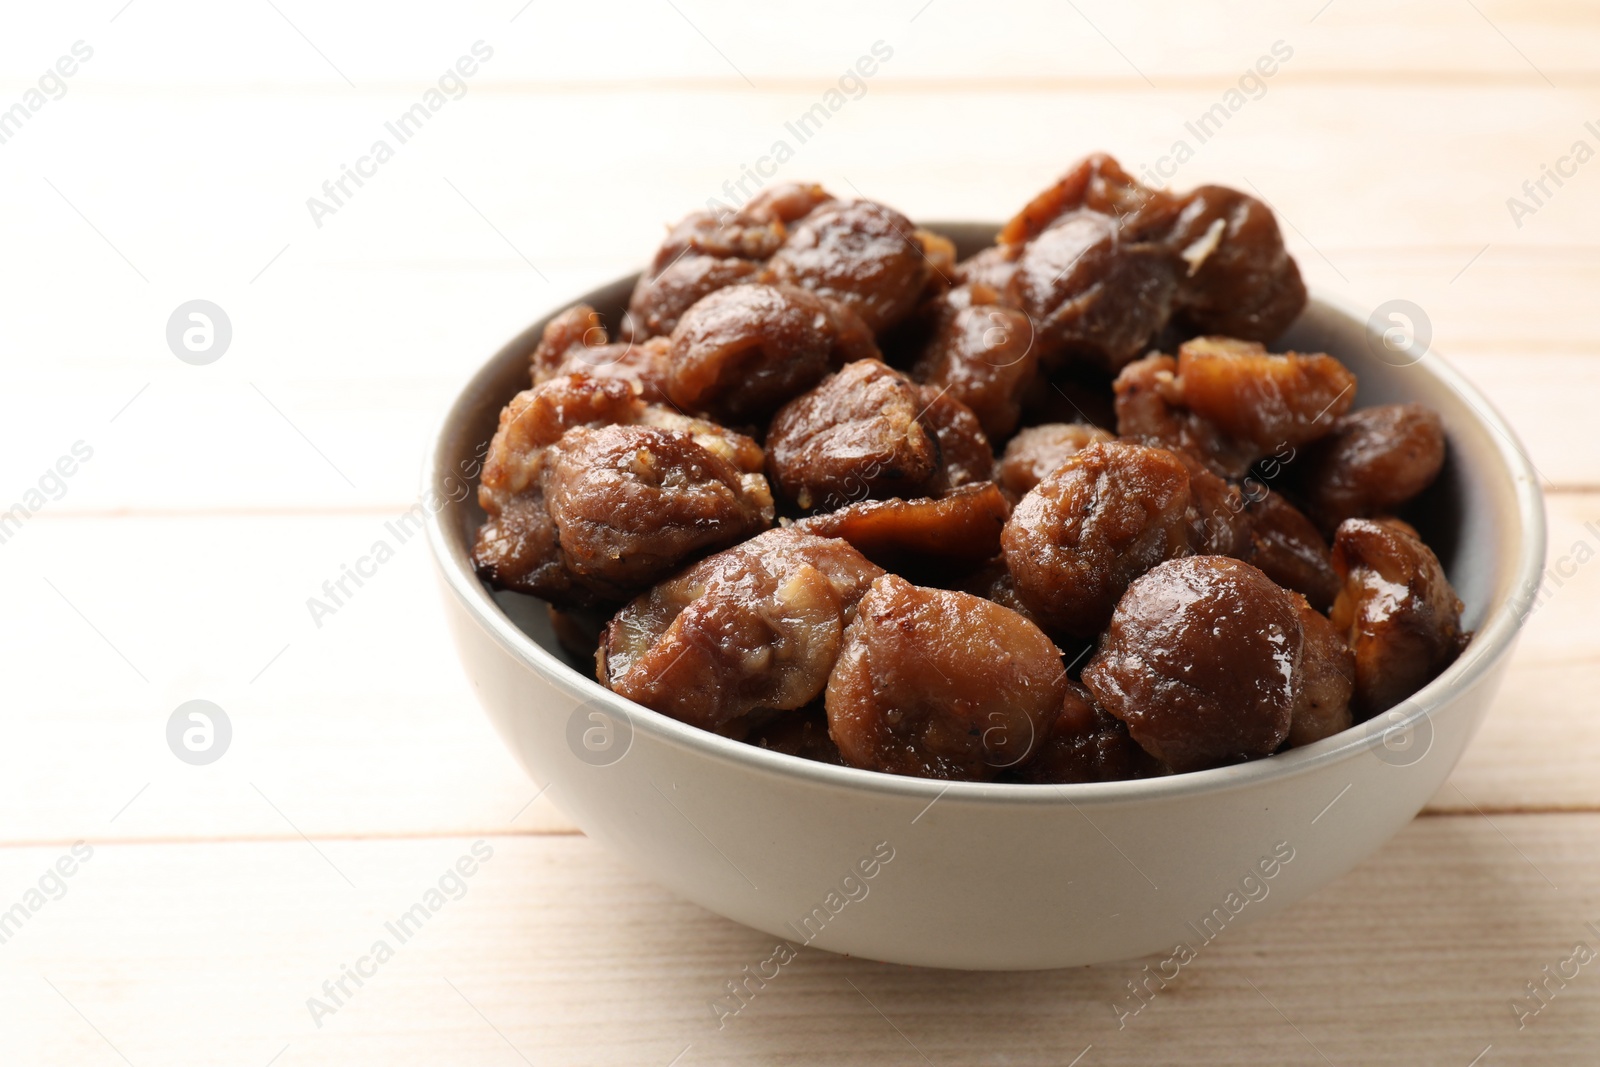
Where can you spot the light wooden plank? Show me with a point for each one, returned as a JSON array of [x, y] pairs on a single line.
[[360, 726], [1548, 707], [1324, 157], [318, 444], [1488, 299], [365, 725], [358, 332], [304, 413], [557, 953], [346, 50], [296, 414]]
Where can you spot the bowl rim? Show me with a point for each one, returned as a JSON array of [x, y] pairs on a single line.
[[1491, 642]]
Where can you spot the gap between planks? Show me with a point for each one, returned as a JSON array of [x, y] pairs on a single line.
[[1569, 80], [572, 831]]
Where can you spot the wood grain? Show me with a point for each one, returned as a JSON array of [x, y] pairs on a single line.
[[284, 427], [556, 953], [722, 42], [365, 726]]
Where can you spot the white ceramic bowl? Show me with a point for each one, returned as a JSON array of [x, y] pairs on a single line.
[[998, 876]]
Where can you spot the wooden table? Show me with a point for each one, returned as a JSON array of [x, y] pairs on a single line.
[[207, 904]]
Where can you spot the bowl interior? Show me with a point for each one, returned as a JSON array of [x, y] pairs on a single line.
[[1483, 516]]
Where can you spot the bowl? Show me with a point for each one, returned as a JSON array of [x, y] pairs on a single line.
[[992, 876]]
